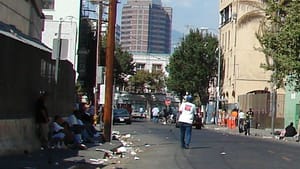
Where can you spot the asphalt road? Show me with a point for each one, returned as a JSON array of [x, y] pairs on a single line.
[[160, 148]]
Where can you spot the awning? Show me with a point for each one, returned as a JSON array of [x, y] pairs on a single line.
[[12, 32]]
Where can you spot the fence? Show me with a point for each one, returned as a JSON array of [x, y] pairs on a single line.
[[260, 104]]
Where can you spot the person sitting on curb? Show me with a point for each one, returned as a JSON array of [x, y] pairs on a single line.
[[290, 130], [78, 128], [57, 133]]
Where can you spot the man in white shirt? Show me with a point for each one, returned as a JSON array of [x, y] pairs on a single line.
[[155, 114], [241, 117], [187, 110]]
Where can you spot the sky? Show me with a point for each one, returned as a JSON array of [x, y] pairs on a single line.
[[189, 14]]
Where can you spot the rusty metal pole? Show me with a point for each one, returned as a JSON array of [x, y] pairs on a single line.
[[109, 69]]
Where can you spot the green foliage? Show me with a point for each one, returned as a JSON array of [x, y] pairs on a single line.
[[193, 64], [143, 79], [281, 43], [123, 66]]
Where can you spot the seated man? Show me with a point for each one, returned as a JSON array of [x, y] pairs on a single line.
[[290, 130], [78, 128], [57, 133]]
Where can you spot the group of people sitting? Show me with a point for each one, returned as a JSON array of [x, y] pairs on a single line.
[[74, 131]]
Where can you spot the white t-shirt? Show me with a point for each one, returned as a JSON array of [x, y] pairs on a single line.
[[155, 111], [242, 115], [187, 110]]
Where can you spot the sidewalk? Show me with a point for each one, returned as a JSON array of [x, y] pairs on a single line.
[[97, 155], [262, 133], [61, 158]]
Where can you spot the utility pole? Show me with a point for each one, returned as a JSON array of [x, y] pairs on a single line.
[[98, 56], [109, 69], [218, 82], [58, 52]]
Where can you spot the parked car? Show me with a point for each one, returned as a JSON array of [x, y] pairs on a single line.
[[139, 114], [121, 116]]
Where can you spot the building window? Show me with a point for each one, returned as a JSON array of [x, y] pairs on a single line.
[[48, 4], [49, 17], [226, 15], [140, 66], [43, 68], [156, 67]]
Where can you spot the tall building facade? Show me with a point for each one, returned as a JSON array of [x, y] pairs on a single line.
[[56, 17], [245, 84], [241, 59], [146, 27]]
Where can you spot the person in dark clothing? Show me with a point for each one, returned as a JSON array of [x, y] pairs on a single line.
[[290, 130], [42, 119]]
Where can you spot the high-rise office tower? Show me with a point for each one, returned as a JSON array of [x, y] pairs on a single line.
[[146, 27]]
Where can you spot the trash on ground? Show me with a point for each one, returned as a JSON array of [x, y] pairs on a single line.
[[133, 153], [97, 161], [121, 150], [115, 133]]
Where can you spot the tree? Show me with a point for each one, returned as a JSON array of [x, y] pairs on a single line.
[[280, 42], [193, 64], [157, 81], [123, 67], [144, 80]]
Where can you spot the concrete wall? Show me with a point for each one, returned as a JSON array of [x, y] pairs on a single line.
[[17, 135], [260, 104], [292, 108], [241, 69], [25, 70], [25, 15]]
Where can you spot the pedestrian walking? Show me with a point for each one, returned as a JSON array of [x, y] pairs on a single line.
[[155, 114], [247, 124], [187, 111], [251, 115], [241, 122], [42, 119]]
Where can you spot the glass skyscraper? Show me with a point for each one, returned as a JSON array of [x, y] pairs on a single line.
[[146, 27]]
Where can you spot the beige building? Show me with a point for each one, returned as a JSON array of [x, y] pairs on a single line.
[[26, 16], [241, 72]]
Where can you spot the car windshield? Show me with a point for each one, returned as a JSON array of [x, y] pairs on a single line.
[[120, 112]]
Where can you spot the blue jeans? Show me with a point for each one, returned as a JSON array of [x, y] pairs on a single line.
[[185, 134], [155, 119]]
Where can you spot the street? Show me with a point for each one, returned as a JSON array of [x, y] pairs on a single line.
[[209, 149]]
